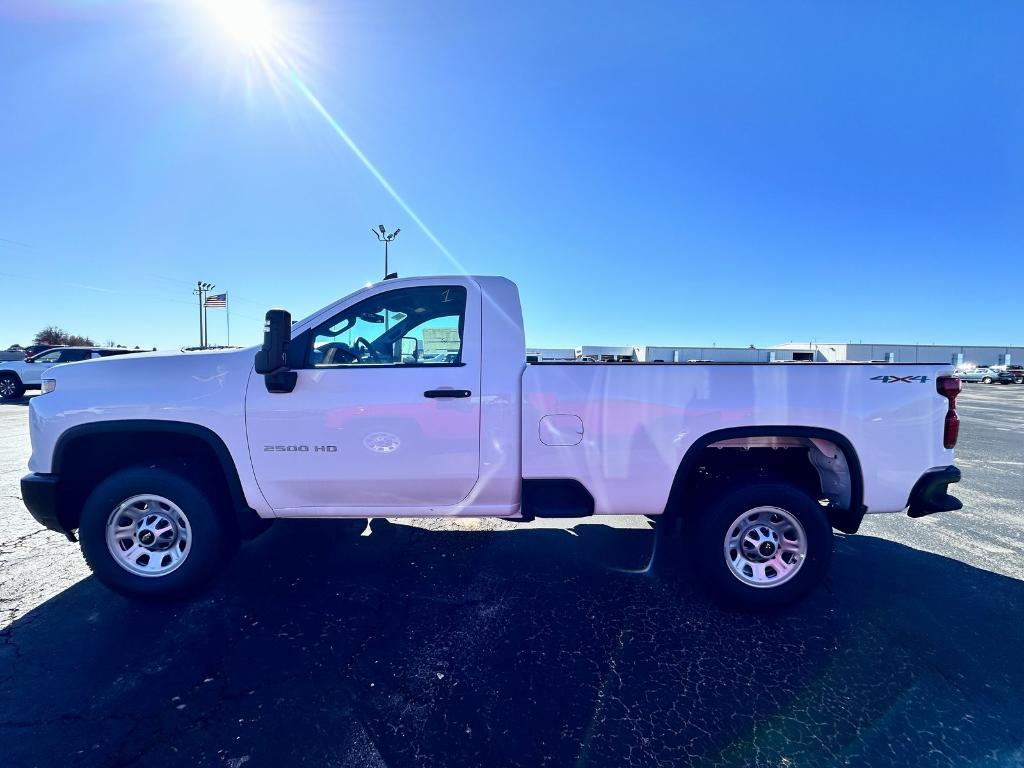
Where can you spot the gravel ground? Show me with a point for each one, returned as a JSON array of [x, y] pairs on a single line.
[[436, 643]]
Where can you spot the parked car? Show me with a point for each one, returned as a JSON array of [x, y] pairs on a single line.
[[16, 376], [162, 462], [1017, 371], [984, 375]]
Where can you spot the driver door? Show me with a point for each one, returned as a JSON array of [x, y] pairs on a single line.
[[370, 423]]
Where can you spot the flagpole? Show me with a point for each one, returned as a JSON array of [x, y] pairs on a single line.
[[227, 313]]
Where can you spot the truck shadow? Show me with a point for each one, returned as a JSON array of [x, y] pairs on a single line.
[[418, 648], [24, 400]]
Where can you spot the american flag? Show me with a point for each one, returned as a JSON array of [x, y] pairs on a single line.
[[220, 300]]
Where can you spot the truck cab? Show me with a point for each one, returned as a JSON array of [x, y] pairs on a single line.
[[395, 404]]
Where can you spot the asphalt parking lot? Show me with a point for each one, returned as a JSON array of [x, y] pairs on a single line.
[[434, 645]]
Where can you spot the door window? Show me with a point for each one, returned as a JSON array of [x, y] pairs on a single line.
[[49, 358], [405, 327], [73, 355]]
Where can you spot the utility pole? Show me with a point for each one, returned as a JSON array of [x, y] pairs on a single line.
[[382, 236], [206, 323], [200, 290]]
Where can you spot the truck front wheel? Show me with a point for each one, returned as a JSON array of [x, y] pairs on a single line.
[[151, 533], [763, 546]]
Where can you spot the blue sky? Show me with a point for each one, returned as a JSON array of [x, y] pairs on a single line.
[[649, 173]]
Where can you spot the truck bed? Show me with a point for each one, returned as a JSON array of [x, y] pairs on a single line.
[[636, 421]]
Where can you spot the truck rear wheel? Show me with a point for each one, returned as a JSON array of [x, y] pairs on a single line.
[[152, 533], [763, 546]]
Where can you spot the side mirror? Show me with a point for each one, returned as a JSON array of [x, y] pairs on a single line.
[[272, 359], [408, 346], [277, 333]]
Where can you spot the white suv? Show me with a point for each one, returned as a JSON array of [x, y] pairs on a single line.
[[18, 375]]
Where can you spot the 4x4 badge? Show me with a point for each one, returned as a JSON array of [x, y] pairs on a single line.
[[904, 379]]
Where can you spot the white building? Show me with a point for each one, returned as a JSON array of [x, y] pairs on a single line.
[[717, 354], [911, 353], [607, 354], [549, 354], [824, 352], [820, 352]]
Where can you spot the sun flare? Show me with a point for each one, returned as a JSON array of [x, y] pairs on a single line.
[[249, 24]]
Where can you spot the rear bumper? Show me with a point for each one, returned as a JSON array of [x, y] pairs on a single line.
[[930, 493], [40, 495]]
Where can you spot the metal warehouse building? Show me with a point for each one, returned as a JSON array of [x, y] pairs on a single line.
[[911, 353], [822, 352], [828, 352]]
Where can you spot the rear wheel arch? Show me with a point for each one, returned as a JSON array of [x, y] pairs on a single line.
[[88, 453], [682, 489]]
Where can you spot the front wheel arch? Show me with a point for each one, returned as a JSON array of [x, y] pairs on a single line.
[[89, 452]]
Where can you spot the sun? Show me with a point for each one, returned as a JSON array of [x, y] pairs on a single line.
[[249, 24]]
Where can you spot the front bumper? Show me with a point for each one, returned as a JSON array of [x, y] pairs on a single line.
[[40, 495], [930, 492]]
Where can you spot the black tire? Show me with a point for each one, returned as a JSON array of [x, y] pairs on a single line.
[[11, 387], [713, 528], [212, 542]]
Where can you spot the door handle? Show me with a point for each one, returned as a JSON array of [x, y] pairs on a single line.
[[447, 393]]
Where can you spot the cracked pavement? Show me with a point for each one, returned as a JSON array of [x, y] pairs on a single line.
[[451, 643]]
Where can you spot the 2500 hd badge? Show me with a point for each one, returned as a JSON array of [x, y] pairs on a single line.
[[302, 448]]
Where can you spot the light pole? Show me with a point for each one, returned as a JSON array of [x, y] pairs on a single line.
[[382, 236], [200, 290]]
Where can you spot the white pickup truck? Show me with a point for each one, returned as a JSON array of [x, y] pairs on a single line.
[[412, 397]]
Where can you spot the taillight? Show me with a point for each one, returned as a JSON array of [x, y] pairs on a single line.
[[949, 387]]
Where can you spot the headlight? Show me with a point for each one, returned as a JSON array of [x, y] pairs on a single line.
[[49, 385]]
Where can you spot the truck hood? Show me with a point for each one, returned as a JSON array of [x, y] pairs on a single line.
[[140, 363], [158, 383]]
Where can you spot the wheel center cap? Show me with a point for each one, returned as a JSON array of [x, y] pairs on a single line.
[[147, 538], [767, 549]]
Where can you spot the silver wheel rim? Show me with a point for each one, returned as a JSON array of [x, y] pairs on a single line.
[[6, 387], [765, 547], [148, 535]]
